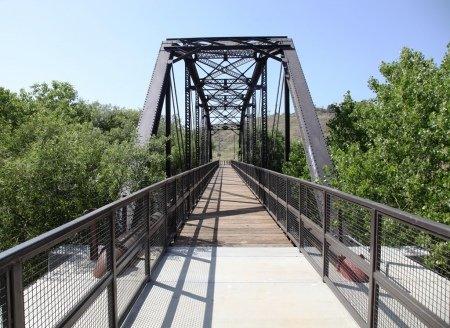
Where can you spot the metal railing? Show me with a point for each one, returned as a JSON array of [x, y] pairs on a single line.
[[388, 268], [89, 272]]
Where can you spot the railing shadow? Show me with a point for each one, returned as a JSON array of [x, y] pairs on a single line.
[[193, 254]]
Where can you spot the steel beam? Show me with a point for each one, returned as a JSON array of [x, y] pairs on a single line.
[[168, 132], [197, 130], [151, 112], [260, 64], [190, 65], [218, 69], [253, 135], [202, 136], [287, 122], [240, 144], [311, 132], [264, 140], [209, 146], [247, 135], [187, 118]]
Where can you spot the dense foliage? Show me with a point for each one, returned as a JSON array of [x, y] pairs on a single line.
[[60, 156], [297, 165], [395, 148]]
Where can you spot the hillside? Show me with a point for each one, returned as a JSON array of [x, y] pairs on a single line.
[[227, 138]]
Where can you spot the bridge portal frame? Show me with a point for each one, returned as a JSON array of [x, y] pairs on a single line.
[[227, 90]]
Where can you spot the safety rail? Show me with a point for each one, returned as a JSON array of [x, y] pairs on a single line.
[[388, 268], [89, 272]]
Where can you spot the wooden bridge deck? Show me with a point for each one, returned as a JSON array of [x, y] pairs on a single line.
[[228, 214]]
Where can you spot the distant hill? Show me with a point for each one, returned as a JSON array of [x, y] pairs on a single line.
[[227, 137]]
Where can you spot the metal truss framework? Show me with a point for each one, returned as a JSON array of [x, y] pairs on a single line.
[[225, 74]]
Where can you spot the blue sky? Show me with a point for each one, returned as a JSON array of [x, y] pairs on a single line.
[[107, 49]]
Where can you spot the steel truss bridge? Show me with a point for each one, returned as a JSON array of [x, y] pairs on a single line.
[[224, 78], [187, 251]]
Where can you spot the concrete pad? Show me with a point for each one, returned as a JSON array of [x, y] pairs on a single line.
[[237, 287]]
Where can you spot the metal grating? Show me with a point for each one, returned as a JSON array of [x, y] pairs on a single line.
[[392, 314], [418, 263], [130, 279], [292, 225], [350, 224], [271, 203], [293, 194], [157, 245], [52, 279], [350, 281], [311, 201], [97, 315], [312, 246], [281, 214]]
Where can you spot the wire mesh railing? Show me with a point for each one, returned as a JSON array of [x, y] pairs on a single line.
[[387, 267], [89, 272]]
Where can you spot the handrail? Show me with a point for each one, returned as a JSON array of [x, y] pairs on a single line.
[[437, 228], [91, 259], [334, 229], [18, 251]]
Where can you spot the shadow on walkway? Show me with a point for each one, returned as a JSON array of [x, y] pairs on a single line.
[[174, 293]]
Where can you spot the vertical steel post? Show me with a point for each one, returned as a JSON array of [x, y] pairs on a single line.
[[375, 249], [147, 224], [202, 136], [247, 135], [197, 130], [112, 290], [301, 242], [240, 158], [166, 214], [253, 128], [187, 116], [325, 224], [168, 127], [234, 146], [340, 219], [276, 194], [286, 190], [287, 122], [17, 301], [264, 117], [93, 245], [209, 145], [7, 308]]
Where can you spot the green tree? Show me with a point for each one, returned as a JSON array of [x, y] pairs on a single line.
[[275, 142], [297, 166], [402, 157], [345, 129], [394, 149], [61, 156]]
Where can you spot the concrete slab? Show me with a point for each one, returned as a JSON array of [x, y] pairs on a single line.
[[237, 287]]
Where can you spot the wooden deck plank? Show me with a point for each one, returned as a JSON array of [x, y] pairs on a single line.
[[228, 214]]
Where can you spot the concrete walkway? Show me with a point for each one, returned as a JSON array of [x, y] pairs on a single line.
[[237, 287]]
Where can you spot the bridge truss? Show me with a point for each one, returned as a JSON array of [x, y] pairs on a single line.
[[226, 89]]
